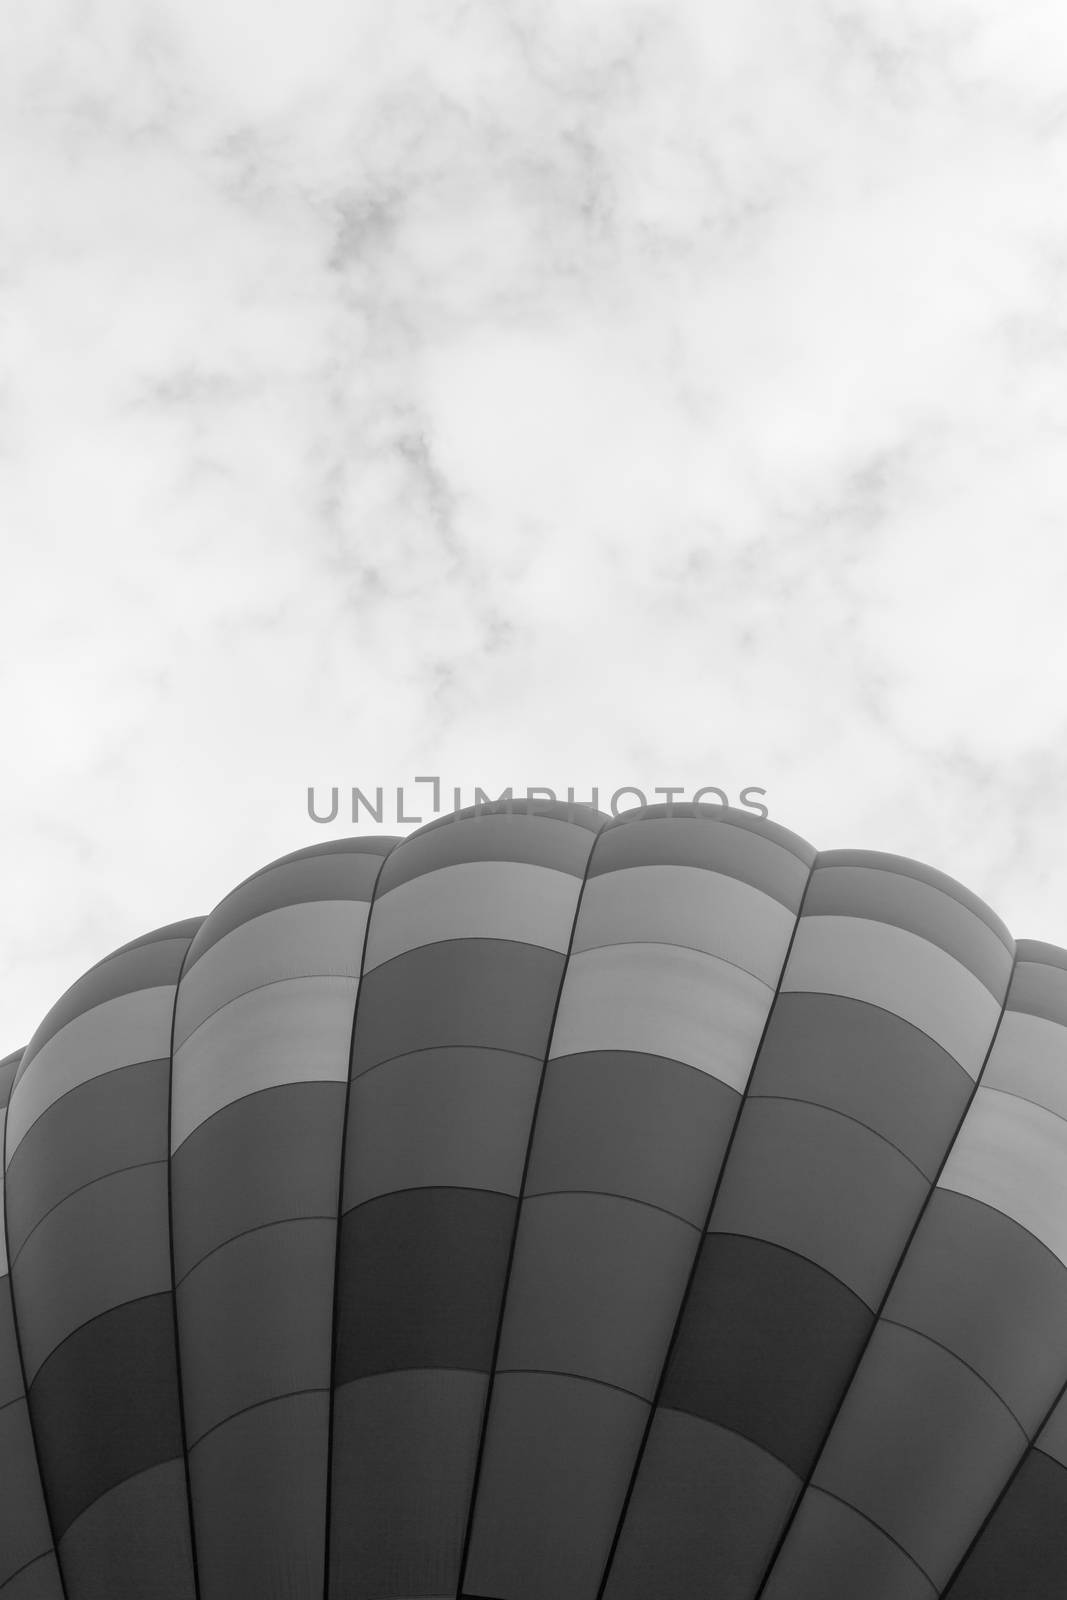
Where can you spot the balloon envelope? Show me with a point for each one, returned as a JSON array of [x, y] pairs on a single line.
[[544, 1206]]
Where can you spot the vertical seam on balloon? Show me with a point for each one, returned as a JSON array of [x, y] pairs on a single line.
[[18, 1350], [809, 1477], [328, 1518], [173, 1276], [1027, 1452], [490, 1386], [691, 1279], [1024, 1457]]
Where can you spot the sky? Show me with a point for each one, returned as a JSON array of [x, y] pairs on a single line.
[[522, 392]]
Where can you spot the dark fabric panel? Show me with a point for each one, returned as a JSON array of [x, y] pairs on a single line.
[[133, 1543], [823, 1185], [153, 963], [903, 902], [1022, 1552], [922, 1447], [259, 1502], [185, 929], [632, 1124], [541, 841], [24, 1530], [105, 1405], [558, 1458], [11, 1386], [705, 1512], [712, 811], [359, 844], [831, 1550], [712, 842], [405, 1445], [334, 875], [595, 1288], [766, 1344], [922, 874], [980, 1284], [111, 1122], [1040, 991], [103, 1247], [254, 1319], [38, 1581], [420, 1279], [868, 1064], [264, 1158], [23, 1570], [437, 1118], [460, 992]]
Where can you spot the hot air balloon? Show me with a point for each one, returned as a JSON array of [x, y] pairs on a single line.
[[544, 1206]]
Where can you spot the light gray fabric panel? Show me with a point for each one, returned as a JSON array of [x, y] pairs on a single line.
[[687, 906], [345, 870], [1029, 1059], [150, 963], [132, 1027], [664, 1001], [295, 1031], [475, 900], [320, 939], [901, 972], [906, 902], [1012, 1155], [1039, 987], [437, 1118]]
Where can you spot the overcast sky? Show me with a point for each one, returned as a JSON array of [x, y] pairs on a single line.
[[592, 392]]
